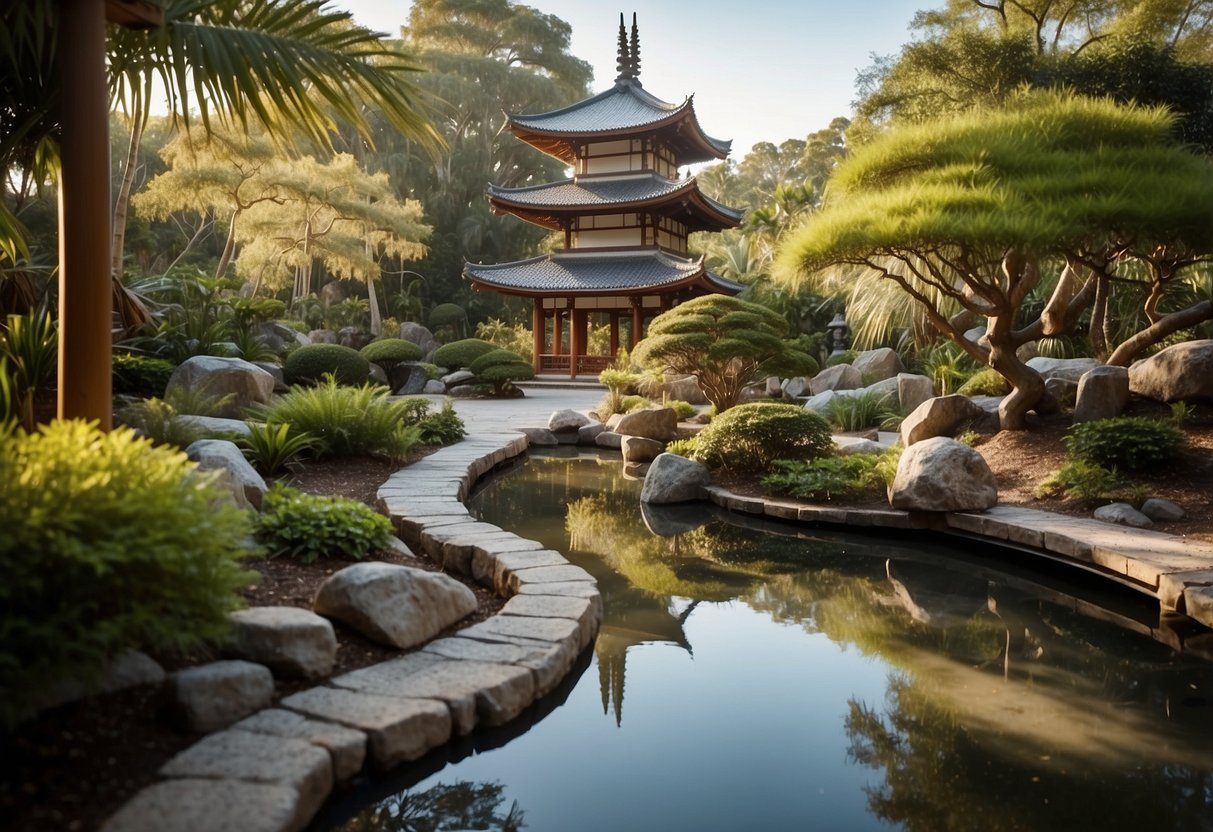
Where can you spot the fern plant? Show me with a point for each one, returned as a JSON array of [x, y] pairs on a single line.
[[271, 448], [867, 410]]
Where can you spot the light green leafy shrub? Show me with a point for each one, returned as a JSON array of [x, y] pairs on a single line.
[[750, 437], [388, 352], [1129, 443], [346, 421], [305, 526], [441, 428], [825, 478], [141, 375], [107, 543], [629, 403], [160, 422], [985, 382], [685, 410], [459, 355], [682, 447], [309, 364], [1078, 480]]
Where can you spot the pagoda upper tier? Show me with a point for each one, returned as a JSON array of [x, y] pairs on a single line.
[[624, 111]]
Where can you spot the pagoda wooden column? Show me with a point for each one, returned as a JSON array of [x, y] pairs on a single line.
[[538, 327], [637, 321], [576, 337], [614, 334]]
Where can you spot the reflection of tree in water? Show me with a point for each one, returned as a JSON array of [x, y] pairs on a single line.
[[442, 808]]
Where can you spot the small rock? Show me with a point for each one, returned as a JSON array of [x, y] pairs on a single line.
[[1160, 510], [434, 387], [1063, 390], [394, 604], [1123, 514], [609, 439], [1071, 369], [635, 470], [290, 641], [774, 387], [639, 449], [377, 374], [817, 403], [408, 379], [419, 335], [941, 474], [567, 420], [675, 479], [684, 389], [246, 484], [613, 421], [796, 387], [877, 365], [588, 434], [463, 391], [540, 436], [214, 426], [838, 377], [275, 370], [913, 390], [213, 696], [458, 377], [941, 416], [848, 445], [322, 336]]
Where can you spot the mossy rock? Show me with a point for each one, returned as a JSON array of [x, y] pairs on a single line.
[[307, 365]]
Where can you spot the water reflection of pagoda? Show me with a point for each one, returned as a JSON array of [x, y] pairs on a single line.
[[628, 628], [624, 217]]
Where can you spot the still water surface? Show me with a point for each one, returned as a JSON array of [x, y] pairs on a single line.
[[765, 677]]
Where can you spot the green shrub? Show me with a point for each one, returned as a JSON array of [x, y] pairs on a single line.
[[825, 478], [449, 316], [682, 447], [1130, 443], [459, 355], [985, 382], [750, 437], [309, 364], [1078, 480], [30, 343], [866, 410], [432, 371], [685, 410], [347, 421], [160, 422], [140, 375], [629, 403], [388, 352], [109, 543], [441, 428], [844, 357], [305, 527], [618, 382], [270, 447], [947, 365], [501, 367]]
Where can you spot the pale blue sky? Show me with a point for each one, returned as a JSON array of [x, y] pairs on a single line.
[[760, 70]]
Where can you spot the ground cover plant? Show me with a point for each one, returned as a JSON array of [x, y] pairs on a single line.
[[307, 526], [827, 478], [870, 409], [134, 550], [1128, 443]]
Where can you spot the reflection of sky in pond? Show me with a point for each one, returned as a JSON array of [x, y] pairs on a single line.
[[836, 683]]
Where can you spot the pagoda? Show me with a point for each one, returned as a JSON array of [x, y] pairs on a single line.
[[625, 216]]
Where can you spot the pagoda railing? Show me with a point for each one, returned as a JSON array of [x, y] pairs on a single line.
[[561, 364]]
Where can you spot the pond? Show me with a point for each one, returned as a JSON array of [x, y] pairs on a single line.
[[756, 675]]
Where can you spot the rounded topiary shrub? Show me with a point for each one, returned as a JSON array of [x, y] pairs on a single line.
[[749, 437], [500, 367], [459, 355], [388, 352], [448, 315], [1126, 443], [309, 364], [109, 544], [141, 375]]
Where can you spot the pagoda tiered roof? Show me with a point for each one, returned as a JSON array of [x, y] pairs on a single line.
[[623, 111], [596, 272], [552, 204]]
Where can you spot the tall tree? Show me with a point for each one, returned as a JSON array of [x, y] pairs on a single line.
[[969, 208]]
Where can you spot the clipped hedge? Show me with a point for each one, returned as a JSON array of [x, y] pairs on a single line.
[[500, 367], [141, 375], [459, 355], [750, 437], [110, 543], [310, 363], [388, 352]]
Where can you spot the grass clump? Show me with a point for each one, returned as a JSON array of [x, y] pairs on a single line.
[[1088, 483], [273, 447], [750, 437], [346, 421], [866, 410], [306, 527], [985, 382], [1129, 443], [107, 543]]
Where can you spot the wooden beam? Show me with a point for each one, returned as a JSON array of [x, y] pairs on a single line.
[[538, 325]]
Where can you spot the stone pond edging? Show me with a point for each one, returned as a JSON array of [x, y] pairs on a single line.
[[273, 771], [1176, 571]]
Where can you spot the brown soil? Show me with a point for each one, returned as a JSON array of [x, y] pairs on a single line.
[[72, 767]]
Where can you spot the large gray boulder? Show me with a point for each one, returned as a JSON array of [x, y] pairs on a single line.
[[213, 696], [838, 377], [913, 390], [434, 387], [408, 378], [397, 605], [660, 423], [1102, 394], [275, 370], [246, 485], [640, 449], [1182, 372], [684, 388], [941, 474], [212, 375], [458, 377], [567, 420], [1071, 369], [795, 387], [291, 642], [675, 479], [420, 336], [817, 403], [941, 416], [877, 365], [1063, 390]]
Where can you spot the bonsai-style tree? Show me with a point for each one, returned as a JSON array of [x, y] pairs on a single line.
[[499, 368], [722, 341], [968, 212]]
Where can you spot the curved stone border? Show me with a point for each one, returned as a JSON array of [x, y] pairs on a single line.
[[273, 771], [1176, 571]]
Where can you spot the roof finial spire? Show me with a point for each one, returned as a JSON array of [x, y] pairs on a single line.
[[624, 63], [635, 49]]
